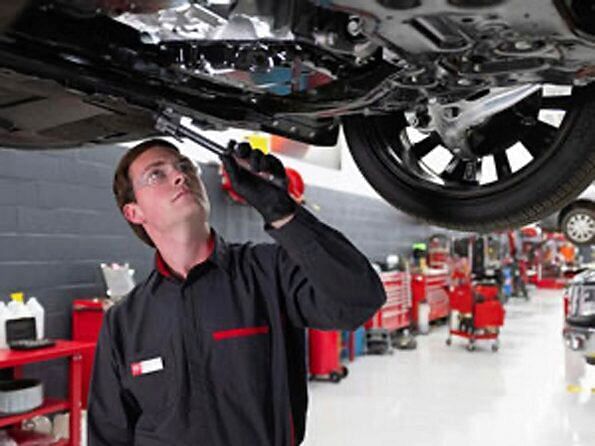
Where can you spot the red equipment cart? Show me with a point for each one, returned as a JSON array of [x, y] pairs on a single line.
[[323, 354], [475, 314], [394, 315]]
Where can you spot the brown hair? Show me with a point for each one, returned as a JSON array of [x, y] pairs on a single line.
[[122, 185]]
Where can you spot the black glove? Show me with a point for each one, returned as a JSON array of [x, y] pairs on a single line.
[[267, 196]]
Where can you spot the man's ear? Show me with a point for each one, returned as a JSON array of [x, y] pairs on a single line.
[[133, 213]]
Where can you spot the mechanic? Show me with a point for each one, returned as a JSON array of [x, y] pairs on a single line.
[[210, 348]]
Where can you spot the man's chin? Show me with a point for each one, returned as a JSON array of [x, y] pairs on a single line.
[[193, 209]]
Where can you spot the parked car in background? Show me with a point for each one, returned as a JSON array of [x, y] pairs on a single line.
[[579, 327], [576, 220]]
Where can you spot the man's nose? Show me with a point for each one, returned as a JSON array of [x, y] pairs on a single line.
[[179, 178]]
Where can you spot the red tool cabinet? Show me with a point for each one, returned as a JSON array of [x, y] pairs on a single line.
[[63, 349], [87, 317], [431, 286], [396, 312]]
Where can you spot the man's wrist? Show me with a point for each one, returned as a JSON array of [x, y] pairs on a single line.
[[282, 221]]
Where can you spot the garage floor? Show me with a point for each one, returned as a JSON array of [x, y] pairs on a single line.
[[530, 393]]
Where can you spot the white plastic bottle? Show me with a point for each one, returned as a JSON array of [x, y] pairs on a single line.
[[423, 317], [38, 313], [4, 315], [18, 310]]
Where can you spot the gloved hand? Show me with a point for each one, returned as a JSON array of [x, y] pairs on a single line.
[[270, 199]]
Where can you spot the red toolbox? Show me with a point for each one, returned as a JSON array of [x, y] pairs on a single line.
[[394, 315], [461, 298], [488, 314], [489, 291], [431, 286], [323, 356], [396, 312], [87, 317]]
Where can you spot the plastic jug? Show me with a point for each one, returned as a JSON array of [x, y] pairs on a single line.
[[18, 310], [4, 315], [423, 317], [454, 319], [38, 313]]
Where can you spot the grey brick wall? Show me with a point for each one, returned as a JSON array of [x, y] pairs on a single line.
[[372, 225], [59, 221]]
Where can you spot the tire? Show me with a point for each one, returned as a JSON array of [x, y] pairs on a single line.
[[335, 377], [578, 224], [344, 372], [562, 164]]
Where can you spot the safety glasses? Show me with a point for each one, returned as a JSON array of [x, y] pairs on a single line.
[[159, 173]]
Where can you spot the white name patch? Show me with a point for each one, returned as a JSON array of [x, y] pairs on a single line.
[[146, 366]]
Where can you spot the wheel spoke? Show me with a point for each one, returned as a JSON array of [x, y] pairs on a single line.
[[426, 145], [539, 138], [556, 102], [503, 168], [462, 171], [454, 171]]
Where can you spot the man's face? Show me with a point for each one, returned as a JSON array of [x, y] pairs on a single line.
[[167, 192]]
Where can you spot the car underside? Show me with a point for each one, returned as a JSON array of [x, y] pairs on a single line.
[[460, 81]]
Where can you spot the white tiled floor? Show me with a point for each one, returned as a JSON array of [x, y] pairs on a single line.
[[446, 396]]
